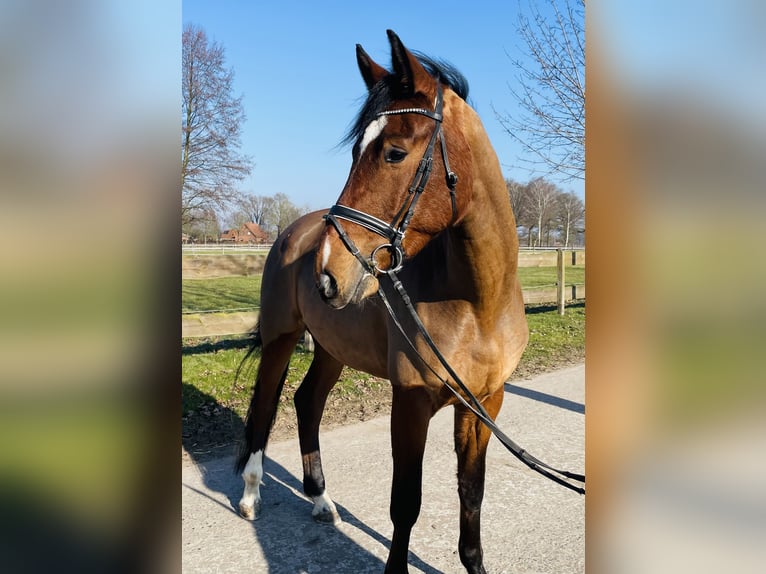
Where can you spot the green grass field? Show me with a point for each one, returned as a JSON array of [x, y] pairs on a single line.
[[531, 277], [209, 369], [220, 294], [240, 293], [213, 374]]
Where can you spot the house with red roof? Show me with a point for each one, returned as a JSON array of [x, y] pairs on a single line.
[[247, 233]]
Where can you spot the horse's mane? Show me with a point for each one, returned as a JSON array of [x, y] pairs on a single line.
[[381, 95], [446, 73]]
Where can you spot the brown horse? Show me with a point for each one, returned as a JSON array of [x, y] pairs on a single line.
[[453, 243]]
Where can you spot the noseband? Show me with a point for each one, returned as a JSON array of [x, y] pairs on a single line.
[[394, 232]]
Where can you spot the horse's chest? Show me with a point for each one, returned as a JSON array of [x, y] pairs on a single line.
[[483, 360]]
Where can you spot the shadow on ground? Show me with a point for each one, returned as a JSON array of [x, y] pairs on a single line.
[[290, 541], [212, 345], [207, 431], [545, 398]]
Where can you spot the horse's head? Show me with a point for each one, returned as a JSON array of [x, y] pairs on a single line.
[[402, 190]]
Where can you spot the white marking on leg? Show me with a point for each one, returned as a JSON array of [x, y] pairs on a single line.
[[324, 509], [325, 254], [251, 497], [372, 131]]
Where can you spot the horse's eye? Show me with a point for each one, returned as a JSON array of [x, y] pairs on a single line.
[[395, 155]]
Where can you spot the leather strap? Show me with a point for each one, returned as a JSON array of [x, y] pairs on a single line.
[[365, 220], [472, 403]]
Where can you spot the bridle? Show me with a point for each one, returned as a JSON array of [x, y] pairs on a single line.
[[394, 232]]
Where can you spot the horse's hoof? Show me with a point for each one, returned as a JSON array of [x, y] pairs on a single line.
[[250, 512], [326, 517], [324, 510]]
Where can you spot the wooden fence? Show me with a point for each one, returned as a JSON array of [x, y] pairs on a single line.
[[238, 261], [562, 291]]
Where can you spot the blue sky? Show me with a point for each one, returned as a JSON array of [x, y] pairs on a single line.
[[295, 66]]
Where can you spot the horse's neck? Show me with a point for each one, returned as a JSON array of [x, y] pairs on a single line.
[[487, 251], [486, 245]]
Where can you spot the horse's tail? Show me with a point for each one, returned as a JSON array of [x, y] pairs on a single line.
[[245, 366], [255, 343]]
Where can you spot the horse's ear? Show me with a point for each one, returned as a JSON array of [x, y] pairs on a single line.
[[371, 71], [411, 74]]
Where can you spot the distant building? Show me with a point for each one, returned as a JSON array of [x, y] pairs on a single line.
[[247, 233]]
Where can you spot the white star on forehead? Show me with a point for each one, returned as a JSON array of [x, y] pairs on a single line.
[[372, 131]]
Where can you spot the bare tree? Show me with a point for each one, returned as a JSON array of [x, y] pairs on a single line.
[[516, 195], [272, 213], [236, 219], [250, 208], [519, 202], [570, 215], [210, 128], [281, 212], [541, 201], [255, 208], [551, 91], [204, 226]]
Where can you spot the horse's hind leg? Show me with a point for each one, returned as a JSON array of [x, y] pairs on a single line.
[[271, 375], [471, 439], [309, 405]]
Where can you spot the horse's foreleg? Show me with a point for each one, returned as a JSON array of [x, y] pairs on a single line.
[[309, 405], [271, 375], [411, 412], [471, 439]]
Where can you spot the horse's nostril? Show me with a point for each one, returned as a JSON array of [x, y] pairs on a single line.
[[327, 286]]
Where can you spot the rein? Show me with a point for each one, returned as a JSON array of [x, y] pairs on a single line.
[[394, 233], [474, 405]]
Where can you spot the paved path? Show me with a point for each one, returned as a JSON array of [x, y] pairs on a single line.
[[530, 525]]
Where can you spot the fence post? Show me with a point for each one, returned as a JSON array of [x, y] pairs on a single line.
[[560, 297]]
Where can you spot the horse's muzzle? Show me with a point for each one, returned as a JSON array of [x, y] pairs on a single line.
[[337, 298]]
